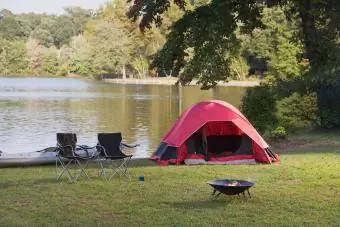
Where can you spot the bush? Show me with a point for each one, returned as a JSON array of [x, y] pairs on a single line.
[[258, 105], [63, 70], [297, 112], [279, 133], [328, 100]]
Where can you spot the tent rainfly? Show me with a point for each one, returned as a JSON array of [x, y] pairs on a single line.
[[213, 132]]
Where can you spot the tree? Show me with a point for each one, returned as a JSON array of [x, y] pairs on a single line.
[[5, 13], [50, 61], [65, 55], [141, 65], [80, 60], [201, 44], [12, 57], [212, 24], [10, 28], [29, 22], [43, 36], [275, 44], [62, 31], [110, 48], [79, 17], [35, 53]]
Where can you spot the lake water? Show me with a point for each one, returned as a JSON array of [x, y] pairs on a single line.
[[33, 109]]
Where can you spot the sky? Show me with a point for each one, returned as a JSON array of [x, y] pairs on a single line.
[[47, 6]]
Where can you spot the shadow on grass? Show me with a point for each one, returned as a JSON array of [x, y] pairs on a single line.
[[28, 183], [312, 142], [8, 184], [143, 162], [46, 181], [315, 150], [209, 203], [138, 162]]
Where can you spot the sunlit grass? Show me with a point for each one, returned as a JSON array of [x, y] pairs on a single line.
[[302, 190]]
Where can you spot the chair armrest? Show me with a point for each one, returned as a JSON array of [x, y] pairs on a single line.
[[130, 146], [119, 157], [94, 154], [102, 148], [58, 149], [84, 148]]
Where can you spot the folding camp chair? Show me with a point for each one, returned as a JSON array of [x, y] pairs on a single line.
[[111, 156], [66, 155]]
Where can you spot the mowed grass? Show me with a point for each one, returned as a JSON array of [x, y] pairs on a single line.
[[302, 190]]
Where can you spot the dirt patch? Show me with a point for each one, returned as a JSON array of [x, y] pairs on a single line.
[[23, 202], [291, 145], [111, 216], [289, 181]]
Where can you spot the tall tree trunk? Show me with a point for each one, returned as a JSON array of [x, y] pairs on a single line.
[[308, 28], [124, 71]]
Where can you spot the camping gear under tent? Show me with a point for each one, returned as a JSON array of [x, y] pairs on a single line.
[[213, 132]]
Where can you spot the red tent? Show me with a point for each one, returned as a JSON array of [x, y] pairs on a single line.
[[213, 132]]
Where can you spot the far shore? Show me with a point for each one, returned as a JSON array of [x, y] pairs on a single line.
[[169, 81], [172, 81]]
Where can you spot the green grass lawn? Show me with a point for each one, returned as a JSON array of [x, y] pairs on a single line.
[[302, 190]]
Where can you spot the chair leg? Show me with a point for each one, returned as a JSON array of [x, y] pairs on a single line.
[[126, 169], [121, 169], [104, 166], [115, 167], [82, 169], [101, 171], [64, 168]]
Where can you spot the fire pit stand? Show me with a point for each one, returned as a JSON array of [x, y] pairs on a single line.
[[231, 187]]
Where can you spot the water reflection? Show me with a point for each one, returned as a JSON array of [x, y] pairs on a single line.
[[32, 110]]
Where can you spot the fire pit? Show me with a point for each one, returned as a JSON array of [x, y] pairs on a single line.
[[231, 187]]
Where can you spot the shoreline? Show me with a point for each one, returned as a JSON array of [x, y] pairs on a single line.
[[168, 81], [172, 81]]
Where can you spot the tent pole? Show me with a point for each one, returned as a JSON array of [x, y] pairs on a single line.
[[205, 142], [268, 155]]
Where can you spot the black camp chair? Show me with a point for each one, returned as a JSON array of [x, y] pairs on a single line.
[[110, 152], [66, 155]]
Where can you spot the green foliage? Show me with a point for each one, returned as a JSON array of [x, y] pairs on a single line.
[[268, 112], [78, 17], [295, 45], [198, 48], [239, 68], [62, 31], [259, 106], [141, 65], [297, 112], [295, 39], [276, 44], [79, 61], [43, 36], [48, 29], [329, 104], [12, 57], [50, 64], [277, 134], [111, 42], [10, 28], [325, 80], [63, 70], [109, 52], [34, 56]]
